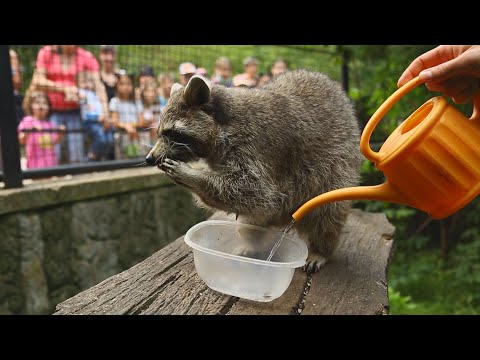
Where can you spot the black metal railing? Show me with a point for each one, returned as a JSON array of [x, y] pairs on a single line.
[[10, 159], [60, 168]]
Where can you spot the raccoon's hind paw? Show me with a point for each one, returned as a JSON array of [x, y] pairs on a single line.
[[314, 263]]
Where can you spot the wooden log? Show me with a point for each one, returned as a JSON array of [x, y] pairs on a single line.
[[354, 281]]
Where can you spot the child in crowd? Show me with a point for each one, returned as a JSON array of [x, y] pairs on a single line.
[[202, 71], [278, 67], [91, 111], [222, 73], [165, 83], [124, 112], [185, 71], [39, 144], [145, 75], [249, 78], [149, 116]]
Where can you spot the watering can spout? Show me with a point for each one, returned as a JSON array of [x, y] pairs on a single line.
[[382, 192]]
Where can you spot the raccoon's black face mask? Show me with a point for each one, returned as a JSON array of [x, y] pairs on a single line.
[[181, 146], [185, 130]]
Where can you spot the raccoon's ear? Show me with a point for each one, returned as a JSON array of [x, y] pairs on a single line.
[[197, 91], [175, 87]]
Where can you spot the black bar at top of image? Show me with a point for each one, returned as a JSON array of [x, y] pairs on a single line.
[[10, 149]]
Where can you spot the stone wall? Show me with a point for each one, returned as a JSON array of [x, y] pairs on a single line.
[[59, 237]]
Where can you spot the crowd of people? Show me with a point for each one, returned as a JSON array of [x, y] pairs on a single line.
[[78, 109]]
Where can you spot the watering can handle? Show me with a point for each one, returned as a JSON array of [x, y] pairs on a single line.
[[476, 107], [387, 105], [378, 115]]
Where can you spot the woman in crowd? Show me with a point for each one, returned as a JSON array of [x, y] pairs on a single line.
[[56, 71]]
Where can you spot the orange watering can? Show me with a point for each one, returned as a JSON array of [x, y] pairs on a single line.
[[431, 161]]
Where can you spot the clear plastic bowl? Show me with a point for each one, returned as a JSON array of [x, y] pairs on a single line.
[[230, 258]]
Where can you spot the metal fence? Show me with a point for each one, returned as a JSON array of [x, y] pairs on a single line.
[[71, 139]]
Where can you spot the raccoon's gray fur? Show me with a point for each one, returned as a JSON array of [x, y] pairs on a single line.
[[267, 151]]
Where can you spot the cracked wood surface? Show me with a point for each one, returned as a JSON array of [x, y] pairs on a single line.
[[353, 282]]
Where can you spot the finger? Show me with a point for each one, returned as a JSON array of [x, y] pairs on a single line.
[[455, 86], [462, 99], [445, 89], [435, 86], [443, 71], [427, 60], [465, 96]]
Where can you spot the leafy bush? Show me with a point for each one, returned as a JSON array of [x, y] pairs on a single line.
[[436, 265]]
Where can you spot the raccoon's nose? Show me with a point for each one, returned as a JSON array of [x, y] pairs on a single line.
[[150, 160]]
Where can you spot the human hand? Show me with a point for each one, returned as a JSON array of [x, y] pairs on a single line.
[[453, 70], [108, 124], [130, 129], [71, 93]]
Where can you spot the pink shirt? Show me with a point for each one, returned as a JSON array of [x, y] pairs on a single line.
[[49, 61], [39, 146]]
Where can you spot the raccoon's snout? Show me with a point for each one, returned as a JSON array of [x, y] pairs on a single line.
[[155, 154], [150, 160]]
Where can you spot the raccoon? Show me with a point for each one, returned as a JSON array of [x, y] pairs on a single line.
[[265, 151]]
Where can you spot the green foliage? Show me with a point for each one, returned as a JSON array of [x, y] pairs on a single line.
[[404, 305], [400, 304], [466, 258], [428, 277], [375, 71], [440, 288]]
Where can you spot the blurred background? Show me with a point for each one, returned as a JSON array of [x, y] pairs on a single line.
[[436, 265]]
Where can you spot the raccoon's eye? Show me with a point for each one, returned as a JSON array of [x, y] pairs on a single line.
[[178, 137]]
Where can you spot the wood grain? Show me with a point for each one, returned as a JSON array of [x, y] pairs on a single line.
[[353, 282]]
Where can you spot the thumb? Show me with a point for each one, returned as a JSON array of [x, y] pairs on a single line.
[[442, 72]]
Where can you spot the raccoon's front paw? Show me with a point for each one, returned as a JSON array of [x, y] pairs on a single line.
[[180, 172], [314, 263]]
